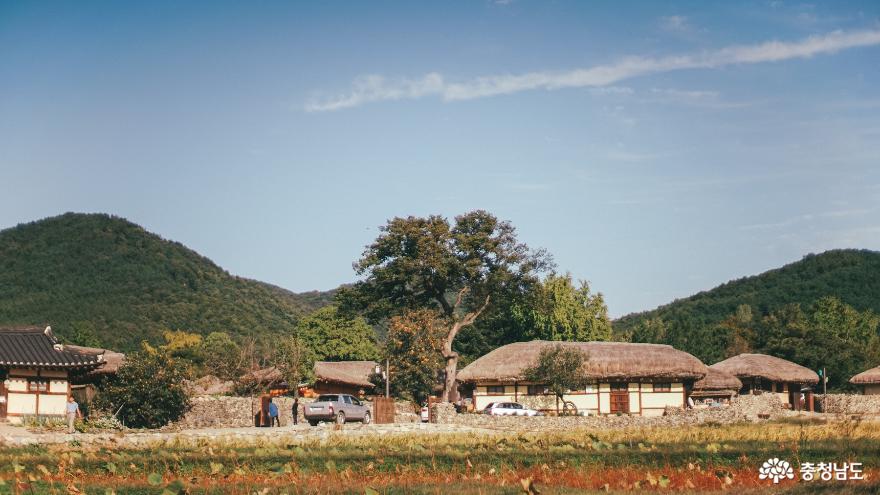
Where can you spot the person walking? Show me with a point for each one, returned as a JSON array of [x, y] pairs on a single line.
[[273, 414], [296, 410], [73, 412]]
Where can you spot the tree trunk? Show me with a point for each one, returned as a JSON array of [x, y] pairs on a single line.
[[451, 356], [451, 371]]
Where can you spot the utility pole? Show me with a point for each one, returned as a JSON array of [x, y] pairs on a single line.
[[824, 381], [387, 379]]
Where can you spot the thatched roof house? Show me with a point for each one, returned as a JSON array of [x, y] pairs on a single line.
[[606, 361], [869, 381], [347, 377], [641, 379], [760, 372], [717, 383], [769, 368], [331, 377]]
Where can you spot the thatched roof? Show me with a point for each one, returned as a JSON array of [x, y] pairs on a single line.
[[870, 377], [718, 380], [606, 360], [265, 376], [767, 367], [346, 372], [112, 360]]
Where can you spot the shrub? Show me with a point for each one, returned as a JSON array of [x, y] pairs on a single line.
[[148, 391]]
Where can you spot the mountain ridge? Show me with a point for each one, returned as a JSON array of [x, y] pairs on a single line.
[[104, 275]]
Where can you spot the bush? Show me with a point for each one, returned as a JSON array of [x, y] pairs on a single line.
[[148, 391]]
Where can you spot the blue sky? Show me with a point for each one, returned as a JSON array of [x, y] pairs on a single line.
[[655, 149]]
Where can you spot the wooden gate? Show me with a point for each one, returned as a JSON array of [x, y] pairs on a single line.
[[383, 410], [619, 398]]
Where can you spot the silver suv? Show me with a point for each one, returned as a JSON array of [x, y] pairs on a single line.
[[337, 407]]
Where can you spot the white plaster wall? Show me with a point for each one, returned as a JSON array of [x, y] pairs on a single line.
[[21, 403], [52, 405], [17, 384], [58, 386], [662, 399]]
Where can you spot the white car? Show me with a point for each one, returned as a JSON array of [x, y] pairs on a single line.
[[425, 414], [509, 409]]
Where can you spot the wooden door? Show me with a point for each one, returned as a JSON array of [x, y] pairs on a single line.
[[619, 398]]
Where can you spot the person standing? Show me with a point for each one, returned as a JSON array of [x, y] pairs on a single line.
[[296, 410], [73, 412], [273, 414]]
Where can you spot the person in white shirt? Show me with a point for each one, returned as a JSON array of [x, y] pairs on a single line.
[[72, 413]]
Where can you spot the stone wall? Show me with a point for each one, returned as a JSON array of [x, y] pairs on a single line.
[[848, 404], [746, 408], [234, 412], [238, 412], [443, 413]]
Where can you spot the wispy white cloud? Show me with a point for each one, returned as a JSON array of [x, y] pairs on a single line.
[[675, 24], [373, 88]]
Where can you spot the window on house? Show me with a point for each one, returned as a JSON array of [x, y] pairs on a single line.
[[537, 389], [495, 389], [662, 387], [38, 385], [619, 387]]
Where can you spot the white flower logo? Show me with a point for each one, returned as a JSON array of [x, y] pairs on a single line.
[[776, 469]]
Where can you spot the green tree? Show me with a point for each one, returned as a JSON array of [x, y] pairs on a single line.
[[560, 311], [832, 335], [222, 357], [148, 390], [83, 333], [335, 337], [295, 360], [460, 270], [650, 331], [413, 348], [560, 368]]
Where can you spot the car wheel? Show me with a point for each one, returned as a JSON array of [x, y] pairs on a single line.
[[367, 418], [340, 418], [313, 423]]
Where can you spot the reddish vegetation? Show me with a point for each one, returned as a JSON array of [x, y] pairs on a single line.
[[614, 479]]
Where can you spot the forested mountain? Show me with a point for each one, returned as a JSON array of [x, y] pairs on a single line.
[[103, 278], [853, 276], [820, 312]]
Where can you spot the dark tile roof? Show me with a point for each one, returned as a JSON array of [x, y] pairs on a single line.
[[37, 347]]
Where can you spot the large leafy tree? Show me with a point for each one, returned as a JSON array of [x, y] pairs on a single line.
[[148, 391], [458, 269], [559, 310], [336, 337]]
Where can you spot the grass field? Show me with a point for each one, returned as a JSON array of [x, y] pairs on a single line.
[[695, 459]]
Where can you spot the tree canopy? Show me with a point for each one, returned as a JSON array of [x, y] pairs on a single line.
[[560, 368], [336, 337], [458, 269], [148, 391], [558, 310]]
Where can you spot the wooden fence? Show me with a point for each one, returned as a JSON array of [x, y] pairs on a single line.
[[383, 410]]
